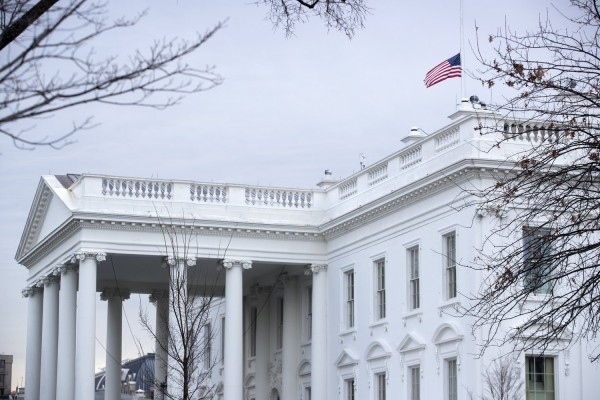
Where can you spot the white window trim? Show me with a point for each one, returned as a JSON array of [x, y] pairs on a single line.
[[374, 321], [344, 330]]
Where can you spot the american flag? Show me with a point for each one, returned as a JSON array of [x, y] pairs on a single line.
[[449, 68]]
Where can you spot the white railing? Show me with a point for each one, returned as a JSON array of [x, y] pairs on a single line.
[[137, 188], [268, 197], [411, 157], [208, 193], [347, 189], [530, 133], [447, 139], [378, 173]]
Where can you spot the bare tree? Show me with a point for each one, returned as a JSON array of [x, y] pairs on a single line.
[[49, 63], [52, 66], [343, 15], [501, 381], [545, 244], [187, 347]]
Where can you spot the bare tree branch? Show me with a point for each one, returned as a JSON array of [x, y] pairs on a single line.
[[541, 259]]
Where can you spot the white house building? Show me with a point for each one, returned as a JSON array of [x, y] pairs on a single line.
[[345, 291]]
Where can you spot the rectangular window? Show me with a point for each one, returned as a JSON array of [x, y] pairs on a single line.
[[380, 288], [450, 264], [309, 313], [2, 364], [380, 386], [539, 376], [413, 265], [207, 346], [349, 300], [451, 380], [349, 385], [307, 393], [279, 314], [537, 259], [415, 383], [253, 319], [222, 340]]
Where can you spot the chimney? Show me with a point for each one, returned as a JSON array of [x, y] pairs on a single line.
[[413, 136]]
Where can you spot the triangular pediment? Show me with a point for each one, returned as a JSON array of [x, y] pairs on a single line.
[[48, 212], [346, 357], [411, 342]]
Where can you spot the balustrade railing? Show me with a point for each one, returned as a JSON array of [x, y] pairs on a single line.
[[137, 188], [347, 189], [279, 198], [208, 193], [447, 139], [411, 157], [378, 173]]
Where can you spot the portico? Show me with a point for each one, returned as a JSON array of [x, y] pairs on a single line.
[[77, 254]]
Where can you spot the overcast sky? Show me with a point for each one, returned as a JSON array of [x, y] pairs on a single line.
[[288, 109]]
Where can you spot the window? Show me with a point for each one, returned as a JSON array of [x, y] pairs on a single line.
[[380, 288], [253, 319], [308, 313], [2, 364], [415, 383], [349, 300], [222, 340], [539, 378], [537, 259], [279, 323], [349, 389], [413, 265], [450, 265], [451, 380], [380, 379], [207, 345], [307, 393]]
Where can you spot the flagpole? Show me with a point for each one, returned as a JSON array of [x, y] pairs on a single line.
[[462, 55]]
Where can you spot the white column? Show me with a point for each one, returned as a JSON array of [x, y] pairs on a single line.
[[161, 301], [114, 329], [49, 339], [85, 361], [234, 329], [261, 365], [318, 362], [291, 330], [67, 305], [34, 342]]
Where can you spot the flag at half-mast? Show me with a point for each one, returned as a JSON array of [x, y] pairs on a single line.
[[449, 68]]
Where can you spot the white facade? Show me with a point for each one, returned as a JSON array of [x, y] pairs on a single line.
[[350, 284]]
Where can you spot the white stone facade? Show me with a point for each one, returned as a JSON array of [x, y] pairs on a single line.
[[349, 284]]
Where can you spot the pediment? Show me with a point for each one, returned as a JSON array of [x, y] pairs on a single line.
[[48, 212], [445, 333], [304, 368], [540, 330], [346, 358], [377, 350], [411, 342]]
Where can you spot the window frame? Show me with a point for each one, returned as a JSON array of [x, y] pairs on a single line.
[[380, 312], [535, 268], [349, 299], [207, 355], [554, 375], [450, 270], [253, 331], [450, 379], [414, 293], [411, 386], [380, 385], [279, 323]]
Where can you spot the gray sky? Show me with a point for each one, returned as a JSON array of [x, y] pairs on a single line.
[[288, 109]]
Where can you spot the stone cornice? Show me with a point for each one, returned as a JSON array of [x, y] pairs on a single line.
[[38, 211], [395, 201]]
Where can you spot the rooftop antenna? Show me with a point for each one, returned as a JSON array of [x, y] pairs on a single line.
[[362, 160]]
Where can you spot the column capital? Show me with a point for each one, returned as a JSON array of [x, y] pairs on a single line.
[[158, 294], [315, 268], [229, 263], [114, 292], [29, 291], [48, 279], [171, 261], [82, 255], [65, 268]]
